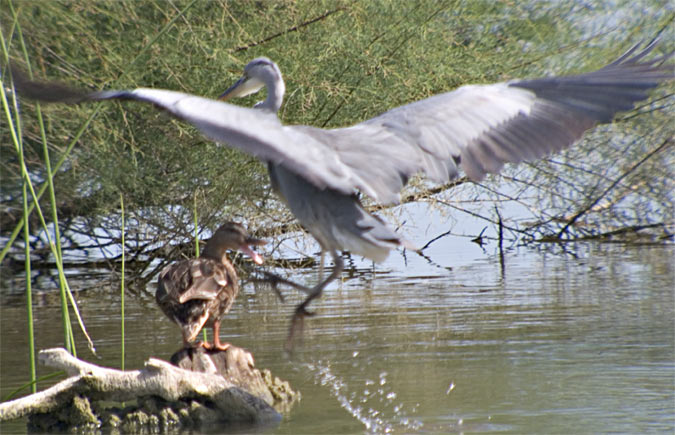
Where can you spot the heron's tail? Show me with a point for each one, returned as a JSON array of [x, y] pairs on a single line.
[[362, 233]]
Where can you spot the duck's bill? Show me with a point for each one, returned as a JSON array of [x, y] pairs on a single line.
[[246, 249]]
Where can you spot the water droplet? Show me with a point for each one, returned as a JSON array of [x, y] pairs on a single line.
[[391, 396]]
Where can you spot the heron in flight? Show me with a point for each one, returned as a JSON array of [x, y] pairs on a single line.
[[318, 172]]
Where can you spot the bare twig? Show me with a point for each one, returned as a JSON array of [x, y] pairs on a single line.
[[590, 206], [289, 30]]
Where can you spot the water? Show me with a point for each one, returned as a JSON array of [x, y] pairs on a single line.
[[575, 342]]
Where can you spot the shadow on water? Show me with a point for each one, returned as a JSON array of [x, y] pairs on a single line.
[[581, 343]]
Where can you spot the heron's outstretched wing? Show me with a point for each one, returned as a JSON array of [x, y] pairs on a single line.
[[480, 128], [256, 132], [475, 128]]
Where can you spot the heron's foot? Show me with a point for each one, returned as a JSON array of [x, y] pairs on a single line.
[[301, 312], [274, 281], [297, 328]]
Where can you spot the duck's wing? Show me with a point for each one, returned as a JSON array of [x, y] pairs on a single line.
[[191, 279], [207, 277]]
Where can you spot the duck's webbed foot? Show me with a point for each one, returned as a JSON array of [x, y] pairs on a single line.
[[205, 344], [219, 346], [197, 345]]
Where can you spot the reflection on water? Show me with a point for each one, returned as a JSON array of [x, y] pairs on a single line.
[[581, 342]]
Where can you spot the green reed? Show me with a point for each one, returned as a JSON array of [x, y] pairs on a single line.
[[196, 225], [55, 240], [122, 278], [14, 127], [32, 385]]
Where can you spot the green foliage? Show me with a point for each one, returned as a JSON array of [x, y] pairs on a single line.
[[342, 61]]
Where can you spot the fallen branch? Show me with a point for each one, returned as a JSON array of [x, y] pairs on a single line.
[[166, 395], [622, 235]]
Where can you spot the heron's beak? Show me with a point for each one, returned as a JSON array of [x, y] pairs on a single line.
[[246, 249], [244, 86]]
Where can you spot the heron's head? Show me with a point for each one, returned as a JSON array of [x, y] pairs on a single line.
[[258, 73]]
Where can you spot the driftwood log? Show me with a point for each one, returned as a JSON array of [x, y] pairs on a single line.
[[219, 387]]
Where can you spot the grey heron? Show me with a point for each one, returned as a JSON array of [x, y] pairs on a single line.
[[475, 129]]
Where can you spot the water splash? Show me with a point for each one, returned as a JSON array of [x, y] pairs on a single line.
[[375, 420]]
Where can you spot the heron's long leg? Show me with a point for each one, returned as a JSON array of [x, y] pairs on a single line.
[[318, 289], [297, 322], [323, 257], [275, 279]]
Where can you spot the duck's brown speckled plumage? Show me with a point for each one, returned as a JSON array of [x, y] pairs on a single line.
[[198, 292]]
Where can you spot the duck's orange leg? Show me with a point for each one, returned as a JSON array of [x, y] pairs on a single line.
[[216, 338]]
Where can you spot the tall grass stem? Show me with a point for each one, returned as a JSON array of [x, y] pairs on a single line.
[[122, 279], [86, 123], [196, 225]]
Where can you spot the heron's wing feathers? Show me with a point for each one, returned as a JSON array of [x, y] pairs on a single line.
[[480, 128], [256, 132], [428, 136], [475, 128]]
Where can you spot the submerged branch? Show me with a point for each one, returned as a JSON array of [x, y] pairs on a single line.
[[626, 233]]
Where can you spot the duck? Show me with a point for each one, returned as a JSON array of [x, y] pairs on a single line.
[[197, 293]]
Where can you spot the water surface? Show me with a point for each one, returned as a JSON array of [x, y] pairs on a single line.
[[579, 341]]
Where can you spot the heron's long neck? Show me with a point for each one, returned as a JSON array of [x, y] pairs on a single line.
[[275, 93]]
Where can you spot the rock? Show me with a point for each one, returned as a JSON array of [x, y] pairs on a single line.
[[281, 391], [236, 365]]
